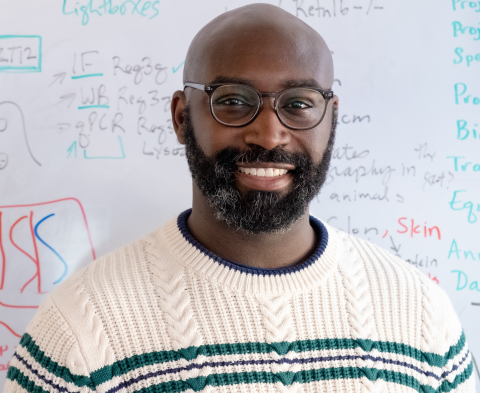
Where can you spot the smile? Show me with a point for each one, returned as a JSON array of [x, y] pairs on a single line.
[[263, 172], [266, 176]]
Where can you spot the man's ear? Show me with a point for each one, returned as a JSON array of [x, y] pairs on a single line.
[[177, 106], [335, 100]]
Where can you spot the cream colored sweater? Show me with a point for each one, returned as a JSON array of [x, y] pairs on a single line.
[[163, 314]]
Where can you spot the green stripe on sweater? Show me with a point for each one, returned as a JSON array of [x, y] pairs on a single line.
[[123, 366], [449, 386], [51, 366], [286, 378], [304, 377], [15, 375], [126, 365]]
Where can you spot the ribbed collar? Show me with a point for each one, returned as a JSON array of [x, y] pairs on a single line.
[[221, 272]]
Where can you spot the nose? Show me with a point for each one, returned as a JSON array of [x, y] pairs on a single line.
[[266, 130]]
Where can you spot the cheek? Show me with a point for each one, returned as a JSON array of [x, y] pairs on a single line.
[[315, 141], [322, 134], [211, 136]]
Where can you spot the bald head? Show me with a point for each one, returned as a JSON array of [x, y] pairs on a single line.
[[238, 43]]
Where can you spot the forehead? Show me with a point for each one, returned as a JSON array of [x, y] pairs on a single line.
[[266, 56]]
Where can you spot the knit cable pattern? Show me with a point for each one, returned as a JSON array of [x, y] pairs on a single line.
[[278, 322], [359, 303], [279, 334], [427, 318], [174, 300], [92, 321], [359, 309]]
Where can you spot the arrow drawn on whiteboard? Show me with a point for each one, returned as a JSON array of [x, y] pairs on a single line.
[[394, 247], [24, 128], [73, 147], [66, 97], [63, 127], [451, 176], [58, 77]]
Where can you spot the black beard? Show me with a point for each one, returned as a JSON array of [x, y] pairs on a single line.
[[256, 211]]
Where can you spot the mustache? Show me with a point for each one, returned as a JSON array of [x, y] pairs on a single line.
[[228, 157]]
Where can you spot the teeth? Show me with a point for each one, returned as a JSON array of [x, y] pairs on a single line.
[[264, 172]]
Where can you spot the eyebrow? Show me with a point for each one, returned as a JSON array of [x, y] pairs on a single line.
[[309, 82], [229, 79], [301, 83]]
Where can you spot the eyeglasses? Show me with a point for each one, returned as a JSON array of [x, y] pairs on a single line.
[[298, 108]]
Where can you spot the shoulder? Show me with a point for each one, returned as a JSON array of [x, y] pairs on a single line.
[[117, 266], [404, 308], [49, 356], [110, 277], [90, 321], [392, 269], [112, 272], [403, 298], [69, 337], [109, 287], [381, 263], [74, 306], [374, 258]]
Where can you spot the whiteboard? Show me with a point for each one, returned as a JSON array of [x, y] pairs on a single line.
[[89, 160]]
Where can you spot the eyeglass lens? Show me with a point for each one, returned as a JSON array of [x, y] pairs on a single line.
[[297, 107]]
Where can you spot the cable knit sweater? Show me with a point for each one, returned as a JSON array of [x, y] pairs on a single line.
[[164, 314]]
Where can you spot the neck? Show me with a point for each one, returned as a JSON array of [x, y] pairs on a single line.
[[265, 250]]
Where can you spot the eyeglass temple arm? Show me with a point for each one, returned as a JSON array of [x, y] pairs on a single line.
[[194, 85]]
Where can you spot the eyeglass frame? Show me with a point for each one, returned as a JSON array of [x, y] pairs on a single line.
[[210, 89]]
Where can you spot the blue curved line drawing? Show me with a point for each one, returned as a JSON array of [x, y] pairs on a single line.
[[51, 248]]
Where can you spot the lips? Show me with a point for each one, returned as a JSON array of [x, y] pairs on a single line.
[[265, 176], [263, 172]]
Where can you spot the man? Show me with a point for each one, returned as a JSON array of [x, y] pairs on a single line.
[[246, 292]]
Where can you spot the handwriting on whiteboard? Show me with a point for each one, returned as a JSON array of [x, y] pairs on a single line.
[[40, 244], [31, 241], [20, 53], [88, 9]]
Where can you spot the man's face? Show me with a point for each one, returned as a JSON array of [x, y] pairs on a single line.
[[256, 209], [215, 152]]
